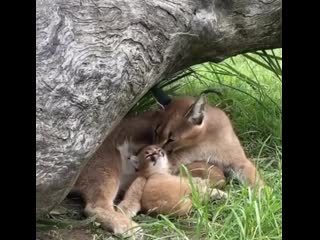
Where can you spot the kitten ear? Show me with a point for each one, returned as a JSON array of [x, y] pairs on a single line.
[[134, 161], [195, 114]]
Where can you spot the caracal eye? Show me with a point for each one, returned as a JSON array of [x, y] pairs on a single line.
[[156, 130], [170, 138]]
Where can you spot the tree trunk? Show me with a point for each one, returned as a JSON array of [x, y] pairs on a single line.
[[96, 58]]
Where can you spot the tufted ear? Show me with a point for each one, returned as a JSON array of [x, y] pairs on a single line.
[[162, 107], [134, 162], [161, 97], [195, 113]]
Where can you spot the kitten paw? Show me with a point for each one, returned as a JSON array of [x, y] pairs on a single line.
[[217, 194]]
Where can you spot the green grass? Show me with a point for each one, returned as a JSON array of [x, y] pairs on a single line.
[[251, 87]]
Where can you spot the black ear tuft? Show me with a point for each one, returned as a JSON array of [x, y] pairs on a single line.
[[161, 97]]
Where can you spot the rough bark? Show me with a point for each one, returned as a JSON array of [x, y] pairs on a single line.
[[96, 58]]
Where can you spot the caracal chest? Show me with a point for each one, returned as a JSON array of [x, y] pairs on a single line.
[[127, 170]]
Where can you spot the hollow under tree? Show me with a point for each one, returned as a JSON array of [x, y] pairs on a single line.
[[96, 58]]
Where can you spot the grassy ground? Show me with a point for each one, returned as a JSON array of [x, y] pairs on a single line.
[[251, 94]]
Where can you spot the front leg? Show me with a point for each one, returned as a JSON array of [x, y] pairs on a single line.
[[131, 203], [204, 187], [246, 172]]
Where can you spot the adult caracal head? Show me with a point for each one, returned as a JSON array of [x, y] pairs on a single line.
[[182, 124], [189, 129]]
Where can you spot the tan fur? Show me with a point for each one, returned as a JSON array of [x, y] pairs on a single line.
[[106, 175], [192, 130], [156, 191], [204, 170]]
